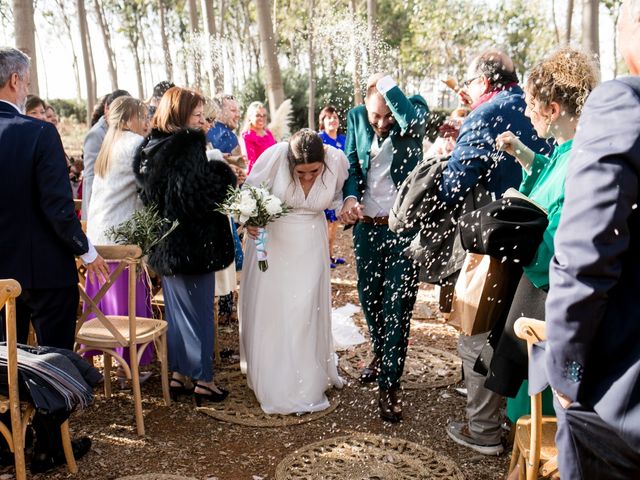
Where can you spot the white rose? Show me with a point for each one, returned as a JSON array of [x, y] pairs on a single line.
[[273, 205], [247, 207]]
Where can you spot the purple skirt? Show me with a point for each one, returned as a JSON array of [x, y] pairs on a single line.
[[116, 302]]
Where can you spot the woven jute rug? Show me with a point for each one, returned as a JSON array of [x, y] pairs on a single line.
[[241, 406], [156, 476], [366, 457], [425, 367]]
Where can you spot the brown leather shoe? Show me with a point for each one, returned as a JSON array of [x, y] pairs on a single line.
[[390, 403], [370, 372]]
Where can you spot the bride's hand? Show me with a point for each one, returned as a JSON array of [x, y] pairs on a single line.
[[252, 231]]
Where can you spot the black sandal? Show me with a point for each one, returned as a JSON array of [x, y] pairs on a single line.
[[175, 392], [211, 397]]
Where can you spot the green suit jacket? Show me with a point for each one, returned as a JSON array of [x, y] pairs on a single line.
[[406, 138]]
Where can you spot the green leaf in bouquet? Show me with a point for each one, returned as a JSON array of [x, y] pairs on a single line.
[[146, 228]]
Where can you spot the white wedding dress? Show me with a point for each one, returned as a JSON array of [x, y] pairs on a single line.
[[286, 346]]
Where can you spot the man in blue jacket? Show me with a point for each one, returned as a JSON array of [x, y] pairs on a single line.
[[498, 105], [592, 355], [384, 143]]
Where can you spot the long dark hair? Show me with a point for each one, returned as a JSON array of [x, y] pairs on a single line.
[[305, 146]]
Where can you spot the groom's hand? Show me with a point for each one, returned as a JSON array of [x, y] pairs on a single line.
[[351, 211]]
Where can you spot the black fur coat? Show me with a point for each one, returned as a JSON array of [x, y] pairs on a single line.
[[173, 173]]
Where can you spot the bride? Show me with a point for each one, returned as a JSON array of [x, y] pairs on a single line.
[[286, 345]]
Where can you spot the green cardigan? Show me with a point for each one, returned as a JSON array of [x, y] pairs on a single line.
[[545, 186], [406, 138]]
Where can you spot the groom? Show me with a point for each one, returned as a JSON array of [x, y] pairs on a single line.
[[384, 143]]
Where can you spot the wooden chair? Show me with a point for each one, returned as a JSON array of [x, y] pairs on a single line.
[[108, 332], [534, 449], [21, 413]]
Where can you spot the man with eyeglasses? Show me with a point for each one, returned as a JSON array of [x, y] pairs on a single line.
[[497, 103], [384, 144]]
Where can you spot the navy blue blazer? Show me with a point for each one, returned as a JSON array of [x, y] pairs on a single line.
[[40, 230], [593, 310], [475, 158]]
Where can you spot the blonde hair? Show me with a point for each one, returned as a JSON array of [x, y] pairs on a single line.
[[121, 112], [567, 77], [251, 111], [372, 81]]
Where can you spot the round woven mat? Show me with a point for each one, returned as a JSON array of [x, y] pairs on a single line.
[[425, 367], [156, 476], [366, 457], [241, 406]]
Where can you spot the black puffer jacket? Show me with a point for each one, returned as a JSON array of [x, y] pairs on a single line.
[[174, 174]]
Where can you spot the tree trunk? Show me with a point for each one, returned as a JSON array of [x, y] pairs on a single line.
[[372, 9], [106, 39], [273, 83], [194, 29], [555, 23], [168, 64], [567, 31], [91, 93], [214, 50], [590, 24], [357, 94], [25, 32], [312, 80], [76, 67]]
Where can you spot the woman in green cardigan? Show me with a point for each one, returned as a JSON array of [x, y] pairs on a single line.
[[556, 91]]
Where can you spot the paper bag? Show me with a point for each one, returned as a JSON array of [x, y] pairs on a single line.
[[479, 297]]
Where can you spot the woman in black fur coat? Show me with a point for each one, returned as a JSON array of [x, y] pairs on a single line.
[[174, 174]]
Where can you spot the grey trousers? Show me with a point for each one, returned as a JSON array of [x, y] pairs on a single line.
[[483, 405], [589, 449]]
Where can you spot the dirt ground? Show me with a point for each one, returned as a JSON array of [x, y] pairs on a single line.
[[181, 441]]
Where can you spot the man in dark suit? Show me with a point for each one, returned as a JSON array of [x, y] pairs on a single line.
[[40, 231], [40, 237], [592, 354], [384, 143]]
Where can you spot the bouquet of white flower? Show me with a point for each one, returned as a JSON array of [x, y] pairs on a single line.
[[256, 207]]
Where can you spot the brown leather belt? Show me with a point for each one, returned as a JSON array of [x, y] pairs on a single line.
[[375, 220]]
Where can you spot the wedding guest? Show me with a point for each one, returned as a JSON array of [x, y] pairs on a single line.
[[175, 175], [592, 354], [51, 115], [98, 110], [158, 91], [329, 124], [91, 148], [286, 344], [115, 200], [257, 138], [36, 107], [497, 105], [556, 91]]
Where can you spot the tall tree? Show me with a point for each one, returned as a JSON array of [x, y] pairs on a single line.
[[25, 33], [372, 14], [590, 26], [312, 79], [613, 7], [214, 49], [106, 39], [273, 83], [357, 92], [164, 38], [569, 20], [194, 29], [86, 58]]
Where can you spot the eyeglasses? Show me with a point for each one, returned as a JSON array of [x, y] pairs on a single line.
[[466, 83], [261, 115]]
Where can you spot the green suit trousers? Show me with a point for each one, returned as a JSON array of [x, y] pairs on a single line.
[[387, 287]]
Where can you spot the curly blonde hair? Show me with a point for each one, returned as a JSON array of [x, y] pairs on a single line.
[[567, 76]]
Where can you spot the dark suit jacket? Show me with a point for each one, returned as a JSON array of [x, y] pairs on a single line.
[[410, 115], [592, 310], [40, 231], [475, 159]]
